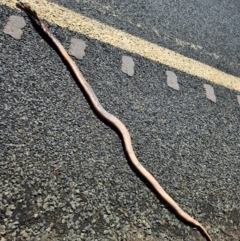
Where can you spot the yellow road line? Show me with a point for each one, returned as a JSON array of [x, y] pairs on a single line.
[[73, 21]]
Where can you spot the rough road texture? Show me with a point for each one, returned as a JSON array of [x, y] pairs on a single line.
[[63, 172]]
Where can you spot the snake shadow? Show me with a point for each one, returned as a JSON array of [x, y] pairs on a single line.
[[144, 180]]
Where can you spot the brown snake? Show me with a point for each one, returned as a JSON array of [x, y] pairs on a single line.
[[115, 122]]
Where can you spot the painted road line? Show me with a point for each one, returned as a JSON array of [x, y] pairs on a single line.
[[238, 99], [14, 26], [128, 65], [210, 93], [76, 22], [172, 81]]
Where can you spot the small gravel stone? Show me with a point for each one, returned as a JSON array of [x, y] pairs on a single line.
[[24, 234], [8, 212], [2, 229]]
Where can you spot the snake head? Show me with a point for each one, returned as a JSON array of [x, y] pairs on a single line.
[[22, 5], [27, 8]]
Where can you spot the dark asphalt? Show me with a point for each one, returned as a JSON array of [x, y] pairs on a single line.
[[64, 174], [212, 25]]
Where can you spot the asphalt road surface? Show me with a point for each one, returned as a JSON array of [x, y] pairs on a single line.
[[63, 171]]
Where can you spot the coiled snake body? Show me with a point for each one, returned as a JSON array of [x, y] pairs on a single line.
[[115, 122]]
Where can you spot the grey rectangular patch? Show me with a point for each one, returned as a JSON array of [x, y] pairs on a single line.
[[210, 93]]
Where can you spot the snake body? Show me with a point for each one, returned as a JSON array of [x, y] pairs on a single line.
[[115, 122]]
